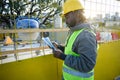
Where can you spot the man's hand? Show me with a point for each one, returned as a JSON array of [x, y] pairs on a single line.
[[55, 44], [57, 53]]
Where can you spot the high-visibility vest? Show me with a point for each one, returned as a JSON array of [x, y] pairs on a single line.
[[72, 74]]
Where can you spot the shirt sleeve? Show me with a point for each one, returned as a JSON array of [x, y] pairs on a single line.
[[86, 46]]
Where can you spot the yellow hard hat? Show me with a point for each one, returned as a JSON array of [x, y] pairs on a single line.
[[71, 5]]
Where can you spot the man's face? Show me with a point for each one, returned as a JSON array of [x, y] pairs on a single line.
[[70, 19]]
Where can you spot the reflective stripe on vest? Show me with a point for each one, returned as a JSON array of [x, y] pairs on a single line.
[[69, 73], [77, 73]]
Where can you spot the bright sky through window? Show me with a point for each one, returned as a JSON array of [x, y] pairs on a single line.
[[100, 7]]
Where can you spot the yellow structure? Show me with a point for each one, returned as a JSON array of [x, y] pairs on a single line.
[[108, 61], [68, 8], [49, 68]]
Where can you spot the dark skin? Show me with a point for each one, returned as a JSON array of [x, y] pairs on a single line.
[[70, 19], [74, 18]]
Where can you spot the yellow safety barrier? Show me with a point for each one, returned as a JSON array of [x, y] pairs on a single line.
[[49, 68]]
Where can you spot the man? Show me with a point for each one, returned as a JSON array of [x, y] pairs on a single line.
[[79, 53]]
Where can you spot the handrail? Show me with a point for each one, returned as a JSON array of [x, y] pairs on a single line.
[[22, 50], [33, 30], [47, 30], [29, 30]]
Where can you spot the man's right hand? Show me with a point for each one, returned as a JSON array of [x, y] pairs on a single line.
[[55, 44], [57, 53]]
